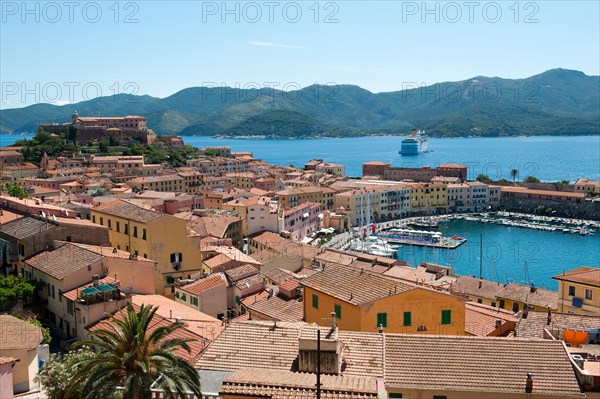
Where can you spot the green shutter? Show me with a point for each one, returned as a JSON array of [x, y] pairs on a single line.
[[395, 396], [446, 317], [382, 319], [170, 279], [315, 301], [237, 300], [407, 319], [338, 311]]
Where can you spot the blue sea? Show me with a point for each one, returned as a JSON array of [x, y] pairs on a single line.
[[510, 253]]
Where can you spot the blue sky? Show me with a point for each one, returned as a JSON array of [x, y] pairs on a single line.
[[53, 52]]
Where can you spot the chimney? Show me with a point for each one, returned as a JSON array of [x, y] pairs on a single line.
[[549, 319], [498, 323], [178, 320], [479, 284], [529, 383], [332, 321], [525, 311]]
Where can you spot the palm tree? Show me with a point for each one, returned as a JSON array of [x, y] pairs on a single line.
[[514, 173], [131, 357]]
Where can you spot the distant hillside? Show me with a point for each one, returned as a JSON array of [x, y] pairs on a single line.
[[556, 102]]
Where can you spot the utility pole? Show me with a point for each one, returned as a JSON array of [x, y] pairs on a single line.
[[318, 363]]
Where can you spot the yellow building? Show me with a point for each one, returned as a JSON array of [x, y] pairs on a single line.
[[428, 198], [292, 197], [153, 235], [579, 291], [514, 297], [366, 301]]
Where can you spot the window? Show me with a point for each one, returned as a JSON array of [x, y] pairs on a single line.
[[101, 220], [21, 249], [395, 396], [315, 301], [515, 307], [479, 300], [588, 293], [177, 294], [135, 231], [118, 227], [59, 295], [446, 316], [94, 219], [407, 319], [70, 307], [440, 397], [571, 290], [183, 297], [493, 304], [176, 257], [143, 233], [109, 223], [382, 319], [338, 311], [126, 229], [502, 303]]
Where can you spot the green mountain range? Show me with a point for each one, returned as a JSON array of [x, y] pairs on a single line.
[[556, 102]]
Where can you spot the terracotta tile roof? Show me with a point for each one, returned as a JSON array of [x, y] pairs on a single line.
[[279, 309], [63, 261], [583, 275], [216, 261], [241, 272], [480, 319], [290, 284], [249, 344], [197, 322], [249, 281], [127, 210], [354, 285], [5, 360], [25, 227], [522, 293], [74, 293], [535, 323], [18, 334], [278, 384], [205, 284], [478, 364], [278, 275], [469, 286], [235, 254], [197, 343], [251, 299]]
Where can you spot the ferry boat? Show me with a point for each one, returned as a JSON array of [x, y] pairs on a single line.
[[414, 144]]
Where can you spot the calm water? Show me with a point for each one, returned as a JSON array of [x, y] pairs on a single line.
[[509, 251], [549, 158]]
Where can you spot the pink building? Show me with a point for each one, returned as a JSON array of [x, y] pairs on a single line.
[[300, 221], [120, 122]]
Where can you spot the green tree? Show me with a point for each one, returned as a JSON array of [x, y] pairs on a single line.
[[565, 182], [483, 178], [130, 356], [31, 318], [57, 374], [14, 288], [15, 190], [103, 146], [531, 179], [514, 173]]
